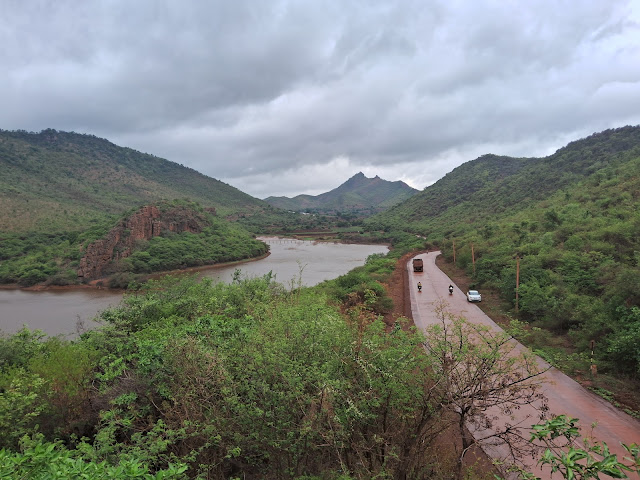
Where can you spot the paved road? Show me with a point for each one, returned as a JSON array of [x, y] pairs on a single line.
[[565, 396]]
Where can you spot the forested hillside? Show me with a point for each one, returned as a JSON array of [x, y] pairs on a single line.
[[59, 182], [573, 221], [358, 195], [61, 191], [492, 187]]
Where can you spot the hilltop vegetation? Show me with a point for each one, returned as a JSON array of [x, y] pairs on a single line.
[[54, 182], [573, 219], [492, 187]]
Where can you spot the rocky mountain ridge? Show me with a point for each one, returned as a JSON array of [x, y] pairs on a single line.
[[358, 194]]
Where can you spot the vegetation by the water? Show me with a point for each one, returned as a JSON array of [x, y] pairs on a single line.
[[230, 380], [191, 379], [54, 259], [227, 379], [59, 191]]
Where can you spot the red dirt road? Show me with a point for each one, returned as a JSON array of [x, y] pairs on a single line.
[[565, 396]]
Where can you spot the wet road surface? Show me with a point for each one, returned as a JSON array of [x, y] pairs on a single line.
[[565, 396]]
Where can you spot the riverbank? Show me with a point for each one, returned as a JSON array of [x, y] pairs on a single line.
[[291, 262], [102, 283]]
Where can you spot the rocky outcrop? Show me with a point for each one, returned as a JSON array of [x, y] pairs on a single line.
[[148, 222]]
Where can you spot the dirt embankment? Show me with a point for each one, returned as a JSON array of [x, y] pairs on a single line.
[[398, 291]]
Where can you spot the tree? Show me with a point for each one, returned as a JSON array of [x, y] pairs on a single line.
[[485, 375], [576, 458]]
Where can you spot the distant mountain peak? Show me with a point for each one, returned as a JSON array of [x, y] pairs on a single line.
[[358, 194]]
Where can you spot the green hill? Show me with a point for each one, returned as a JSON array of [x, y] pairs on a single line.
[[57, 181], [157, 237], [491, 186], [571, 220], [358, 195], [61, 194]]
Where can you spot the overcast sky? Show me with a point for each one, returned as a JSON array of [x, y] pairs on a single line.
[[290, 97]]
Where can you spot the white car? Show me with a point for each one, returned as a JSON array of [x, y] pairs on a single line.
[[474, 296]]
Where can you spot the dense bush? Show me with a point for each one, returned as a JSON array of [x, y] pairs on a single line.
[[214, 245], [247, 379]]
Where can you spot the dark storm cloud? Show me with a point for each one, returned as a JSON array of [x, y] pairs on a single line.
[[288, 97]]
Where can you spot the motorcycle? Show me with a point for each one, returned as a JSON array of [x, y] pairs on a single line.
[[450, 289], [419, 287]]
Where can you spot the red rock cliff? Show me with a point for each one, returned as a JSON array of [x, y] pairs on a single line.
[[146, 223]]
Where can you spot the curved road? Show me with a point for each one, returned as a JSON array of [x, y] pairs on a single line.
[[565, 396]]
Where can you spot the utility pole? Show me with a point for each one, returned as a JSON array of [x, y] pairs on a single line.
[[517, 280], [473, 260]]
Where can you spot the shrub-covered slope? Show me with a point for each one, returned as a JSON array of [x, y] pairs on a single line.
[[166, 236], [573, 221], [579, 256], [491, 186], [58, 181]]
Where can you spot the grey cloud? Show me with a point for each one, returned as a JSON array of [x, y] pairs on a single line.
[[253, 92]]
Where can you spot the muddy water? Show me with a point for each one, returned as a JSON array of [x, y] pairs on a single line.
[[304, 261], [291, 261], [53, 311]]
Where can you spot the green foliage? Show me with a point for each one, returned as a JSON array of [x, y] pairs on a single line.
[[18, 349], [232, 380], [363, 284], [66, 182], [44, 386], [623, 346], [41, 460], [21, 403], [572, 218], [253, 376], [216, 244], [573, 459]]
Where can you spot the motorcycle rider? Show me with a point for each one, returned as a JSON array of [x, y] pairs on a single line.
[[450, 289], [419, 286]]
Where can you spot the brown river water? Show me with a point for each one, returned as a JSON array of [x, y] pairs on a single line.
[[62, 312]]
